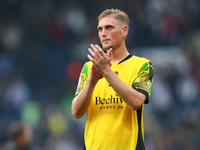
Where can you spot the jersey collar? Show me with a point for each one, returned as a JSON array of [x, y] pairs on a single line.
[[126, 58]]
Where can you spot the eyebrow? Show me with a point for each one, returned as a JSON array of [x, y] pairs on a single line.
[[109, 25]]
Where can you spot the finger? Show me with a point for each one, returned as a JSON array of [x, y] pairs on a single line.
[[90, 58], [100, 50], [109, 54], [96, 51], [92, 53]]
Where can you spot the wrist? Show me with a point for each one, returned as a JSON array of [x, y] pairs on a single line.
[[106, 71], [93, 81]]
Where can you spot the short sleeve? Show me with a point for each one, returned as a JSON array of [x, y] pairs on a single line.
[[82, 79], [143, 82]]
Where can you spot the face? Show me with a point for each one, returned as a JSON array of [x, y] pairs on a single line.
[[27, 133], [111, 32], [25, 137]]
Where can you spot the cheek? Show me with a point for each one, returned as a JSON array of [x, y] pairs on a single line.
[[100, 36], [116, 36]]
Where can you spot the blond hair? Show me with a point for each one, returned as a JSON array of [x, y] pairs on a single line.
[[118, 14]]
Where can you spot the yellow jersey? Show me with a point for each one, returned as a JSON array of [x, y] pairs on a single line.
[[111, 124]]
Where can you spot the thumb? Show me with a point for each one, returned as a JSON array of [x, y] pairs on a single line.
[[109, 54]]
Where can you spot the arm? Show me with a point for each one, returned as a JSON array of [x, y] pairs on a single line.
[[140, 91], [82, 101], [130, 96]]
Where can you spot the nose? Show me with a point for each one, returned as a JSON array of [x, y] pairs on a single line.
[[103, 33]]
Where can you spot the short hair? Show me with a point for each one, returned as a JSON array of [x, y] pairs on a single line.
[[117, 13]]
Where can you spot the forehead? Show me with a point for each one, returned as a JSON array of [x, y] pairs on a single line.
[[108, 20]]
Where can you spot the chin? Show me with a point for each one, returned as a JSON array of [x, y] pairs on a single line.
[[106, 47]]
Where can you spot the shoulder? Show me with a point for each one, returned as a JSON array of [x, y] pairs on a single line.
[[86, 67], [88, 64], [140, 61]]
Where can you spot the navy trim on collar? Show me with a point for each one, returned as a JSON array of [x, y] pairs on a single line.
[[129, 56]]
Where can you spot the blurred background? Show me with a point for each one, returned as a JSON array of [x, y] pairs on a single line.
[[43, 46]]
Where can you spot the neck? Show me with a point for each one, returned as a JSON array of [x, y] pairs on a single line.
[[119, 54]]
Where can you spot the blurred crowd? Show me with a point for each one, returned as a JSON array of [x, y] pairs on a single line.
[[43, 45]]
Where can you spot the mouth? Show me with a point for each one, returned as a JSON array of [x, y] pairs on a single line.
[[105, 40]]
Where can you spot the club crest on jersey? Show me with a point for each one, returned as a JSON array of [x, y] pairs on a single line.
[[81, 83], [148, 85]]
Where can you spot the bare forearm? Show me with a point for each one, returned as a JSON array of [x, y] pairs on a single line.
[[81, 102], [130, 96]]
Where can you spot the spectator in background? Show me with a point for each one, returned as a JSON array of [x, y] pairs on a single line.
[[17, 91], [21, 137]]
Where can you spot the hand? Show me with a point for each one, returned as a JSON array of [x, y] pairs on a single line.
[[94, 74], [100, 60]]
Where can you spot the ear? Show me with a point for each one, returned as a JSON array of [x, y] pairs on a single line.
[[125, 31]]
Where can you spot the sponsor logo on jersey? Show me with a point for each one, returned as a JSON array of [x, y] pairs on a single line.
[[109, 103]]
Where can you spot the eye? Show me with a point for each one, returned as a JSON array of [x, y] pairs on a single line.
[[99, 29], [109, 27]]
